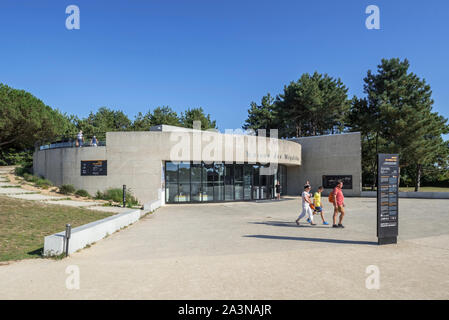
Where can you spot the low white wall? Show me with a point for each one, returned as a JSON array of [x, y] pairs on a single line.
[[152, 205], [89, 233]]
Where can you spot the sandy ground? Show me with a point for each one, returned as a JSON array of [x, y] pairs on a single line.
[[249, 251], [17, 187], [8, 172]]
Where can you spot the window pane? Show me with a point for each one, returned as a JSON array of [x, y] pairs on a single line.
[[184, 182], [219, 182], [171, 188], [208, 182], [196, 191], [171, 192], [247, 180], [196, 182], [238, 181], [256, 181], [229, 182], [171, 171]]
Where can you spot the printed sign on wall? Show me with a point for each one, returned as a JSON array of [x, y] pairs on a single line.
[[94, 168], [330, 182]]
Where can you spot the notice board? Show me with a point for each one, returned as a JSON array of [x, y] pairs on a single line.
[[330, 182], [387, 198], [94, 168]]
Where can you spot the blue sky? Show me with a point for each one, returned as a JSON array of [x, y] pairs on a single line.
[[221, 55]]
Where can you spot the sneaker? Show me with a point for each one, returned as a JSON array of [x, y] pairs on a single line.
[[308, 220], [334, 226], [313, 224], [341, 226], [297, 222], [325, 223]]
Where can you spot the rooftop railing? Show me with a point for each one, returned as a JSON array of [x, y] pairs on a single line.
[[69, 142]]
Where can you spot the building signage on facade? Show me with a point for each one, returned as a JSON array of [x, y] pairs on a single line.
[[94, 168], [330, 182], [387, 198]]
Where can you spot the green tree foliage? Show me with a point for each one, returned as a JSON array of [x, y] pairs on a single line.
[[164, 115], [263, 116], [142, 122], [104, 120], [197, 114], [396, 117], [314, 105], [24, 120]]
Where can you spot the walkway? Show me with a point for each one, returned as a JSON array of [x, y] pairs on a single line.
[[250, 251]]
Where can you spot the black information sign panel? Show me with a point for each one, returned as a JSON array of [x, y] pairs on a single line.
[[94, 168], [387, 198], [330, 182]]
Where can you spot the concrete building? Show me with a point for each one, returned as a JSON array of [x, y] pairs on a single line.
[[178, 165]]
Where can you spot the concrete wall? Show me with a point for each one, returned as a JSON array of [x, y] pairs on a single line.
[[329, 155], [136, 158], [89, 233], [63, 166]]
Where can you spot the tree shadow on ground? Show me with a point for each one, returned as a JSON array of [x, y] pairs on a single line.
[[289, 224], [339, 241], [274, 200]]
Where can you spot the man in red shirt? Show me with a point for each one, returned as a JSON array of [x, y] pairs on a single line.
[[339, 205]]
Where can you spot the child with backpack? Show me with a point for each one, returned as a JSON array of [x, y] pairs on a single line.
[[317, 204]]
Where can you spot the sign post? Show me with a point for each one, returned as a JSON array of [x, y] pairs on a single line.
[[124, 196], [387, 198], [68, 233]]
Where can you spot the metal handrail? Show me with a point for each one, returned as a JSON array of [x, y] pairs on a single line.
[[66, 142]]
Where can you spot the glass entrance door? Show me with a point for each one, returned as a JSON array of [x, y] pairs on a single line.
[[201, 182]]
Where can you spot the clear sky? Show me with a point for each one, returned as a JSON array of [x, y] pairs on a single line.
[[135, 55]]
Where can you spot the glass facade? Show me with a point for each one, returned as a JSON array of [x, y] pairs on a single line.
[[200, 182]]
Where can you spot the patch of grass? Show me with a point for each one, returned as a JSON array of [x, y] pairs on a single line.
[[43, 183], [55, 257], [67, 189], [88, 246], [424, 189], [24, 224], [116, 195], [60, 199], [20, 171], [412, 189], [30, 178], [37, 181], [82, 193]]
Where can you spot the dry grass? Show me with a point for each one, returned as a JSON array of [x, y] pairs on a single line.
[[24, 224]]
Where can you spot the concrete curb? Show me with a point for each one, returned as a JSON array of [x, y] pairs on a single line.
[[411, 195], [90, 233], [152, 205]]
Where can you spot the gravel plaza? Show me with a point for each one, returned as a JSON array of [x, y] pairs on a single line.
[[251, 250]]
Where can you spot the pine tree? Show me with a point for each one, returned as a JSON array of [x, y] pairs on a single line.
[[397, 114]]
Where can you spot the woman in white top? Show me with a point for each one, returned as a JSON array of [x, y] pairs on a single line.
[[306, 209]]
